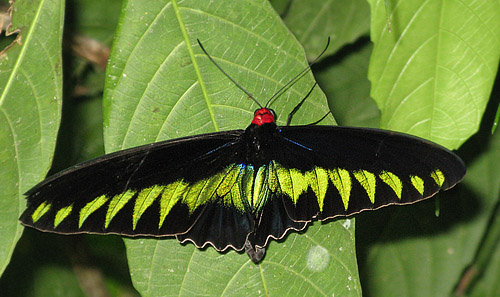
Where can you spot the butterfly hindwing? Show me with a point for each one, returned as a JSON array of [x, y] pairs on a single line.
[[252, 211]]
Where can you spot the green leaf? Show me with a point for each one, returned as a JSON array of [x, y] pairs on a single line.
[[307, 263], [313, 21], [348, 90], [146, 101], [30, 105], [160, 85], [95, 18], [47, 264], [433, 73], [432, 76], [280, 5], [80, 136], [488, 284], [56, 281], [483, 266]]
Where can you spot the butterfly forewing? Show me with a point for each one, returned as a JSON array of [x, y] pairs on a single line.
[[344, 170], [158, 189]]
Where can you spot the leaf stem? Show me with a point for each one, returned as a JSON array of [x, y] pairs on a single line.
[[483, 255]]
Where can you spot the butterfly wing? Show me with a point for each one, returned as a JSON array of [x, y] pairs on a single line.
[[154, 190], [230, 190], [327, 171]]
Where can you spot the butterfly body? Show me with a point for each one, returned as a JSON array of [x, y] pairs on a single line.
[[239, 189]]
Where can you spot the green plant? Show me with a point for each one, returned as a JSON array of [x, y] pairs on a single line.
[[431, 68]]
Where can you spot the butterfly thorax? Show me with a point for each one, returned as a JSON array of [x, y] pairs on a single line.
[[259, 142]]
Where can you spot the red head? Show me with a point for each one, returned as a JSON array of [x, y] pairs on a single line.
[[263, 116]]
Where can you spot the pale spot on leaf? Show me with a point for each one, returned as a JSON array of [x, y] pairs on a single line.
[[317, 258]]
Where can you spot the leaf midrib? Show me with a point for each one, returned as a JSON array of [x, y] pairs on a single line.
[[195, 64]]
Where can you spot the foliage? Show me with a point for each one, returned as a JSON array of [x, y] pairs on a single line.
[[431, 66]]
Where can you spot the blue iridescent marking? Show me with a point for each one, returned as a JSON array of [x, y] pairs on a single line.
[[218, 148], [294, 142]]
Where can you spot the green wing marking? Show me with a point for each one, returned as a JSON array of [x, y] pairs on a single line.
[[368, 181], [392, 181], [342, 181], [418, 183], [40, 211], [260, 189], [172, 195], [318, 181], [116, 204], [230, 175], [90, 208], [292, 182], [143, 201], [438, 177], [62, 214]]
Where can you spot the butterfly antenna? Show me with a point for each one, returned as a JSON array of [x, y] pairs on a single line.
[[228, 76], [289, 120], [295, 78], [318, 121]]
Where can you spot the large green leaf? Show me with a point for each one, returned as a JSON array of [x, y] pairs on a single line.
[[433, 72], [95, 18], [147, 101], [348, 90], [320, 262], [30, 105], [160, 86], [432, 76], [487, 272], [314, 20]]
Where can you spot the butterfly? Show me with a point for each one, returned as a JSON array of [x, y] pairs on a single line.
[[239, 189]]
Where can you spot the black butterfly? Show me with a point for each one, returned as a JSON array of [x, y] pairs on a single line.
[[238, 189]]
